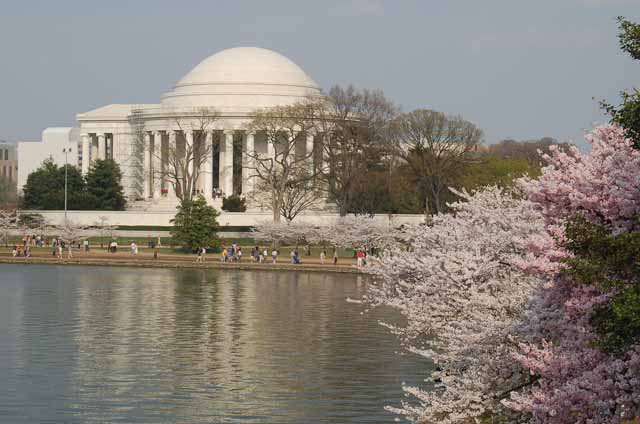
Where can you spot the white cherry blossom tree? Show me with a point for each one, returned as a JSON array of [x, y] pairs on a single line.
[[8, 222], [464, 302]]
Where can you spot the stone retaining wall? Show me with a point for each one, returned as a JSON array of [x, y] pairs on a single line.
[[234, 219]]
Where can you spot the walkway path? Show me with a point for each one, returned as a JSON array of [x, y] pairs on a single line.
[[172, 260]]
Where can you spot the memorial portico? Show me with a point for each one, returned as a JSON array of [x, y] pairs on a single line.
[[232, 84]]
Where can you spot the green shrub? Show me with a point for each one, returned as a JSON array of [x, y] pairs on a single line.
[[234, 203]]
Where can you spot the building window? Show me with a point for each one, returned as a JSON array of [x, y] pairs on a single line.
[[6, 154]]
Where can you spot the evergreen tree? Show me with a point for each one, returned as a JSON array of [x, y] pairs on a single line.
[[104, 183], [195, 225], [45, 188], [627, 114]]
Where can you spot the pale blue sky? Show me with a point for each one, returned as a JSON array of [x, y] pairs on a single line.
[[519, 69]]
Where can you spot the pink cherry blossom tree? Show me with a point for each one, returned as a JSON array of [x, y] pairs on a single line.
[[578, 382]]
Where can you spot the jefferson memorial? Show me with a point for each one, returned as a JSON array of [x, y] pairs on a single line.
[[234, 83]]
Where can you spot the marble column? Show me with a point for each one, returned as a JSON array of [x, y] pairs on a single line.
[[271, 149], [93, 148], [207, 174], [85, 153], [172, 156], [108, 146], [228, 163], [309, 152], [115, 147], [324, 140], [221, 161], [146, 166], [248, 170], [157, 165], [101, 147], [189, 157]]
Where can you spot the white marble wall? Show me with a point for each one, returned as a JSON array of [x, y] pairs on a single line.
[[161, 218]]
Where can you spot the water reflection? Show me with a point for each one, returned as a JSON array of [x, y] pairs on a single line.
[[131, 345]]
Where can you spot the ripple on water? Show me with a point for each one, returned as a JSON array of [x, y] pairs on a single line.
[[163, 346]]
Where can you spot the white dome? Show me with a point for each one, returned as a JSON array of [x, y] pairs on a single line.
[[242, 79]]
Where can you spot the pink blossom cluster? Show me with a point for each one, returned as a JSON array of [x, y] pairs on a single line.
[[602, 185], [578, 383]]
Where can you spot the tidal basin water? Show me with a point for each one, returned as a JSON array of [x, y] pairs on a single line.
[[125, 345]]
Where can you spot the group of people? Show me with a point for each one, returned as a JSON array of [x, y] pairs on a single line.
[[231, 253], [259, 256], [34, 241], [295, 257], [361, 258], [20, 251]]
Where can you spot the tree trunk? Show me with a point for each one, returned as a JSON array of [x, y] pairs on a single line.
[[275, 207], [426, 206], [344, 206], [436, 198]]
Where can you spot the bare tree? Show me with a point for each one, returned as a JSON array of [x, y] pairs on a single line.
[[436, 147], [527, 149], [282, 168], [183, 161], [354, 124], [301, 193]]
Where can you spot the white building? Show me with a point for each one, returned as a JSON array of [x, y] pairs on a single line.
[[8, 162], [234, 82], [57, 144]]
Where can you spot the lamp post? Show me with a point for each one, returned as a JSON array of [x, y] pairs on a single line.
[[66, 151]]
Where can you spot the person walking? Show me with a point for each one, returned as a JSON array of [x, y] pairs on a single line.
[[335, 256], [323, 254], [199, 257], [274, 256]]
